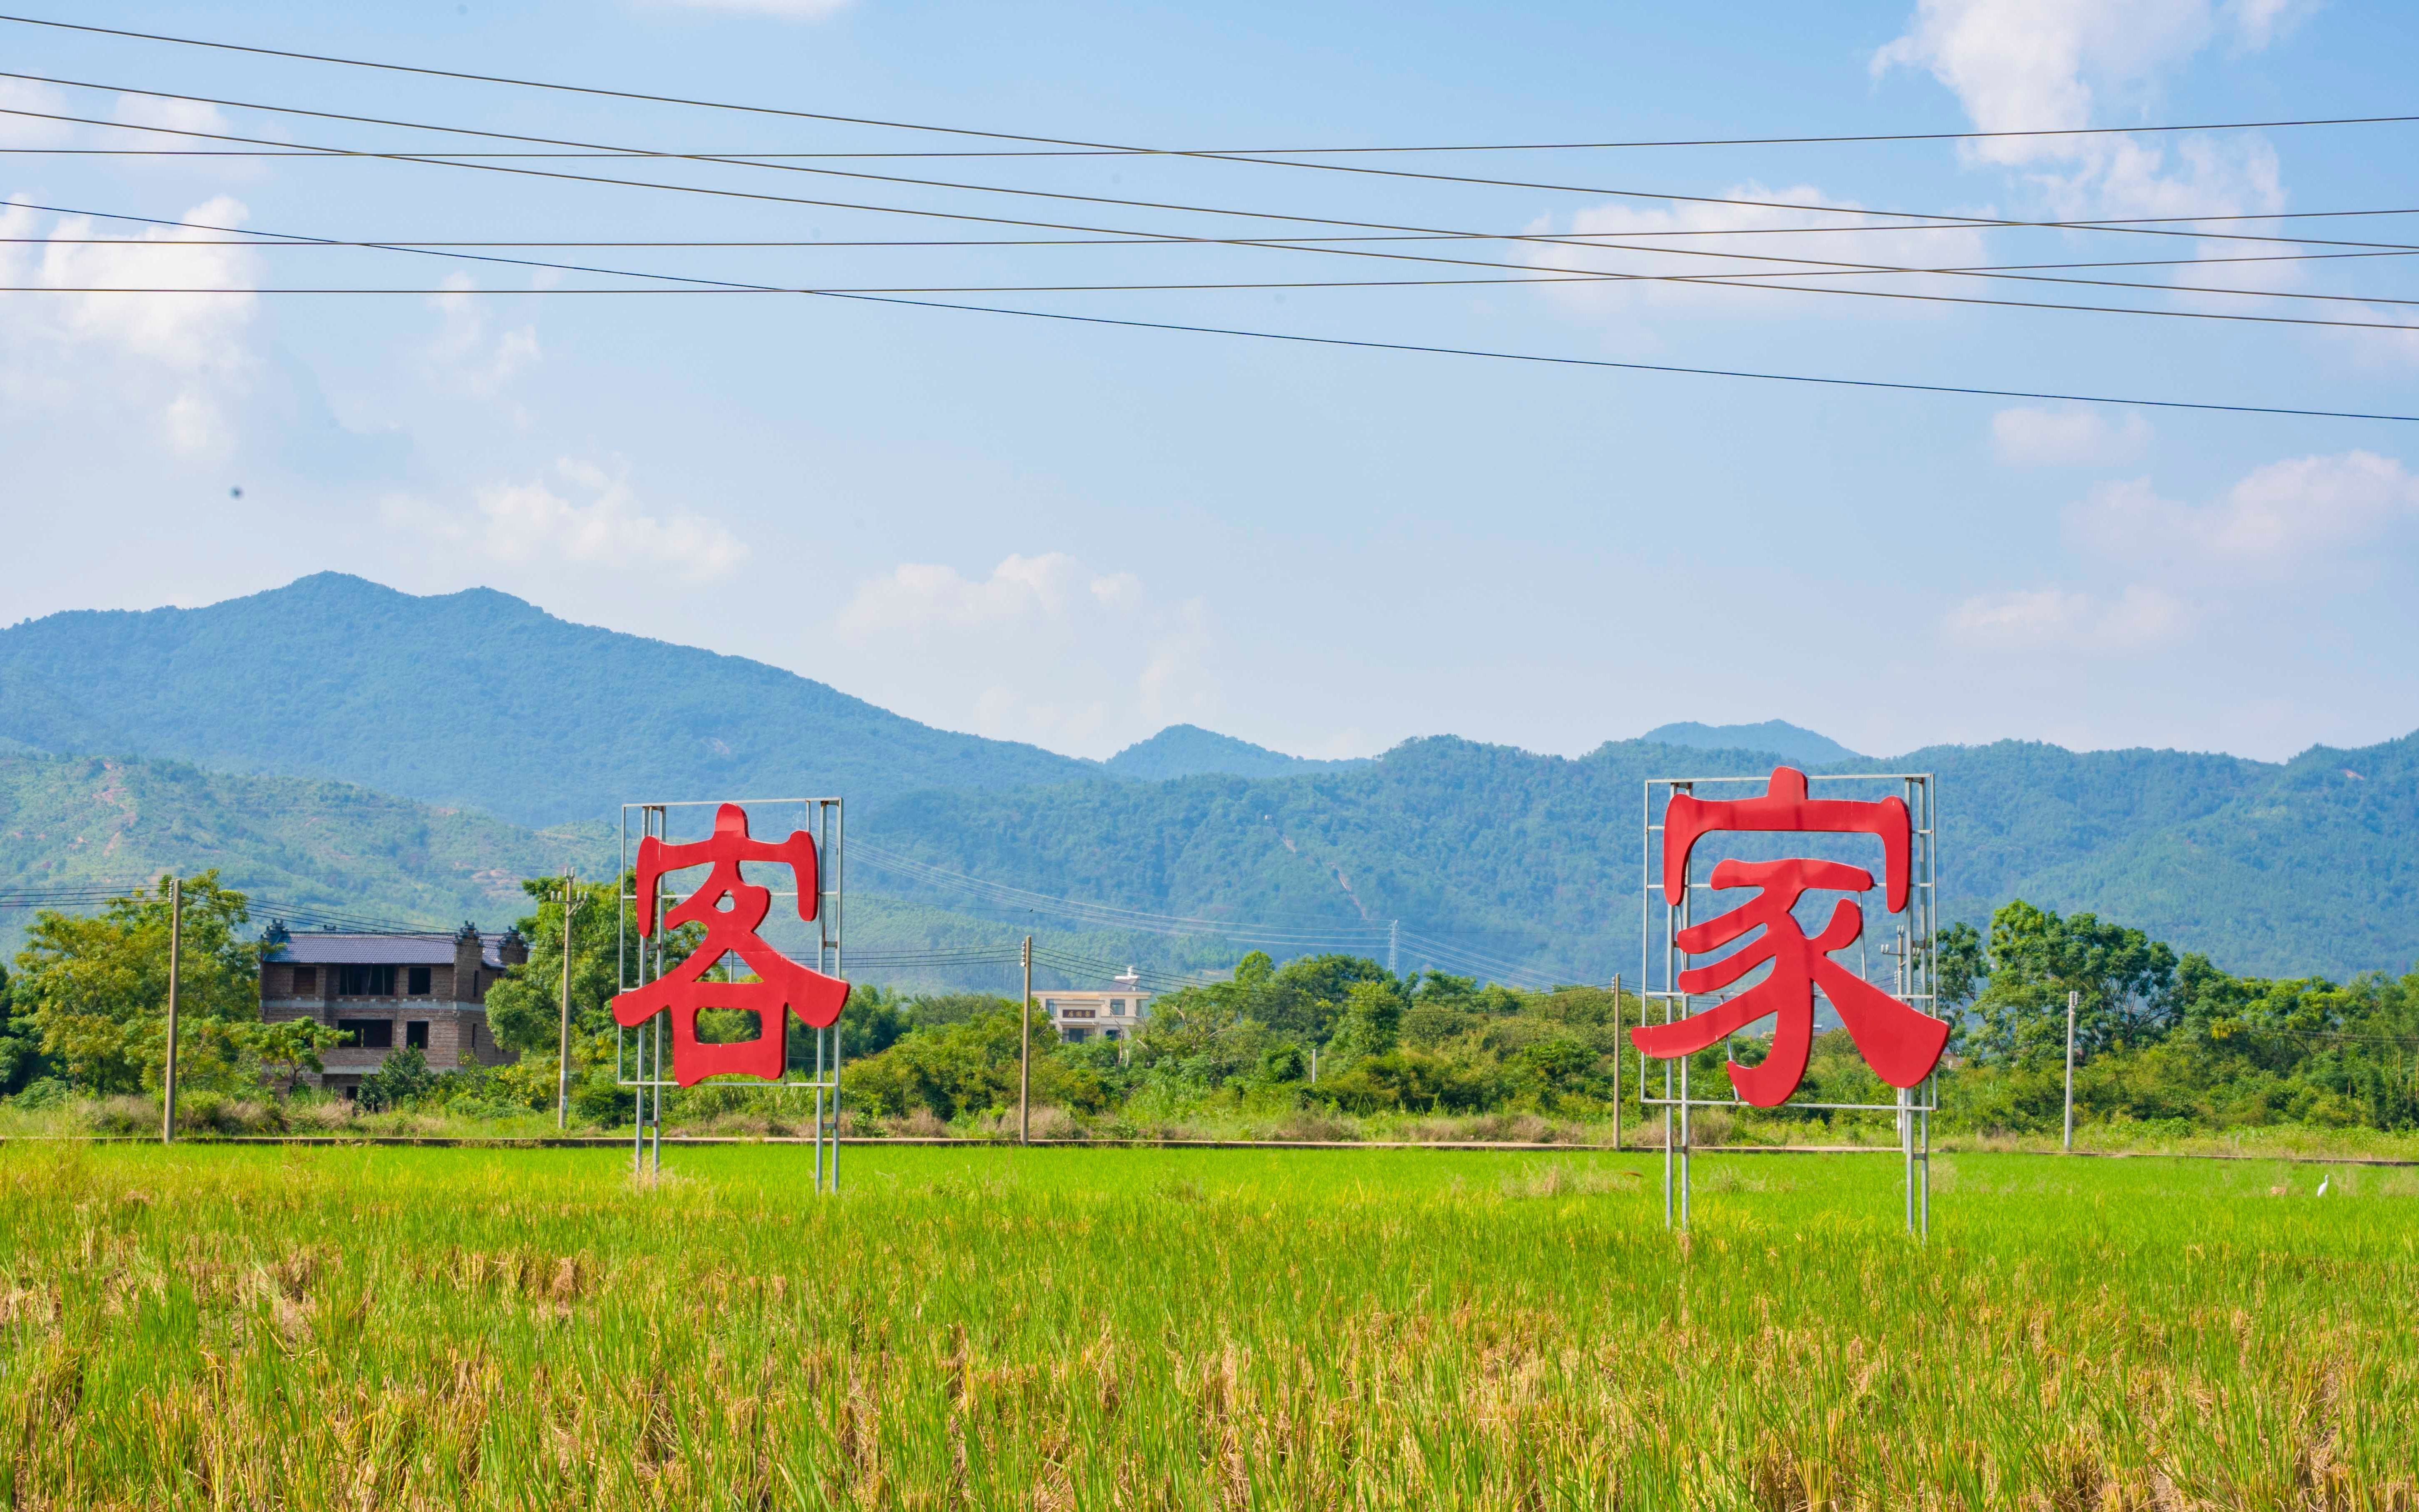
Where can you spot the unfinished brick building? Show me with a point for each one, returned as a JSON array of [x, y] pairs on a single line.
[[389, 991]]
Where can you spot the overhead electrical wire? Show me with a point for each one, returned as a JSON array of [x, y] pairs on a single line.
[[1531, 270], [1539, 276], [423, 292], [1609, 239], [1197, 209], [1108, 915], [269, 239], [1366, 344], [1366, 936], [1118, 150], [1936, 219]]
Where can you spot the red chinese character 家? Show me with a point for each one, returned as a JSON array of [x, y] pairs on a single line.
[[1900, 1045], [732, 909]]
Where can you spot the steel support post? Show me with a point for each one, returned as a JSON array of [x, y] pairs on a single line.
[[1616, 1060], [1024, 1054], [2073, 1002], [176, 942], [563, 1066]]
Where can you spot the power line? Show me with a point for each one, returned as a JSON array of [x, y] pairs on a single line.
[[1939, 219], [1608, 240], [1102, 914], [269, 239], [1102, 149], [424, 291], [1604, 363], [1710, 279]]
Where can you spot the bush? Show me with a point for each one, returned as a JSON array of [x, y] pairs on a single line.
[[43, 1092], [401, 1081]]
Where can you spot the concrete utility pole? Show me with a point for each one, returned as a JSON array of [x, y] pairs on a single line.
[[571, 901], [1025, 1056], [175, 937], [2073, 1000], [1394, 947], [1616, 1060]]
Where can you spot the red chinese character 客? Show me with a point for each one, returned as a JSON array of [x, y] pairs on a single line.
[[1900, 1045], [730, 908]]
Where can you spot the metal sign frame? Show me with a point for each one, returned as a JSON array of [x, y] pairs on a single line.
[[640, 1055], [1916, 983]]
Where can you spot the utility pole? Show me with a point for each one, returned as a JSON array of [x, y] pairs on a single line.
[[1616, 1060], [1394, 947], [563, 1067], [2073, 1000], [1024, 1057], [175, 937]]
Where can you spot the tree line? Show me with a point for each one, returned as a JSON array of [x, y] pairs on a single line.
[[2161, 1039]]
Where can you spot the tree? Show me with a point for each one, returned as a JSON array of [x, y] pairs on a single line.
[[96, 988], [969, 1068], [284, 1050], [2126, 979], [402, 1079], [1372, 1023], [1305, 998], [1963, 966], [525, 1009], [21, 1043]]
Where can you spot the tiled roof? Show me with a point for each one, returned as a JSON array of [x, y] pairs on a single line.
[[326, 947]]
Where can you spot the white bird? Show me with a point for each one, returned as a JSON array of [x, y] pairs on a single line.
[[2322, 1184]]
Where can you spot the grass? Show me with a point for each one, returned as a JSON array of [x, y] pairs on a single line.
[[732, 1111], [324, 1327]]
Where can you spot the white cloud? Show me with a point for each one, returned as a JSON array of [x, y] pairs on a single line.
[[464, 353], [2262, 22], [188, 331], [25, 130], [783, 10], [546, 521], [172, 115], [2061, 619], [178, 116], [2046, 65], [2278, 519], [181, 356], [2041, 65], [921, 595], [1043, 648], [1742, 241], [2025, 437], [2320, 517]]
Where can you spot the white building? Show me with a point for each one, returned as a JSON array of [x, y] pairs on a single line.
[[1110, 1015]]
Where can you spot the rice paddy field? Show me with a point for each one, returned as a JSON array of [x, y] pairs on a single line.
[[987, 1327]]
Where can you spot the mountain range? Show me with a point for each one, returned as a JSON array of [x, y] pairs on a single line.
[[337, 742]]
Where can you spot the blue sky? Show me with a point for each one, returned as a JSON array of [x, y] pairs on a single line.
[[1076, 534]]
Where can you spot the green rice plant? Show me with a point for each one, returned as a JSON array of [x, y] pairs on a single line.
[[992, 1327]]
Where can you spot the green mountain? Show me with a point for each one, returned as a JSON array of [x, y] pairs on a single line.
[[1189, 750], [312, 853], [1779, 737], [1486, 854], [474, 698], [1463, 855], [297, 846]]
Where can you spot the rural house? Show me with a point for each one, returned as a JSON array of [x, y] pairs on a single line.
[[1111, 1016], [389, 991]]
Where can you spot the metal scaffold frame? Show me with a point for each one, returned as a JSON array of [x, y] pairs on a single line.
[[641, 1055], [1916, 983]]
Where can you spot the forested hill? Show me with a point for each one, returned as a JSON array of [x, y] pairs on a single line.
[[479, 700], [1189, 750], [293, 845], [2304, 866], [474, 698]]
